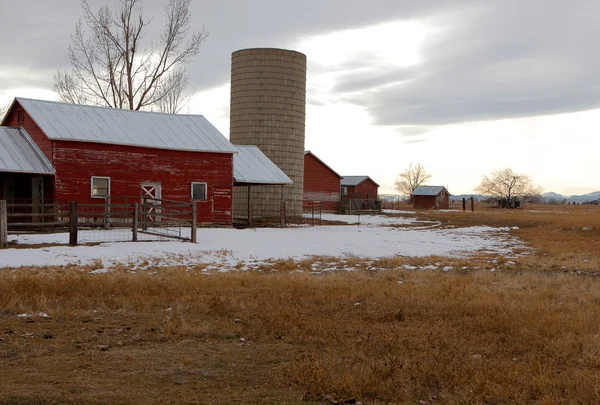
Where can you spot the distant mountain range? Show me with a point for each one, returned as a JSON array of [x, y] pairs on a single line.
[[571, 199], [546, 197]]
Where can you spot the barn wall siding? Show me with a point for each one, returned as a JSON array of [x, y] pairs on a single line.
[[367, 187], [128, 167], [428, 202], [321, 184], [32, 129]]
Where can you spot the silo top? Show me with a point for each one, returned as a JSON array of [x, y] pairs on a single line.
[[268, 51]]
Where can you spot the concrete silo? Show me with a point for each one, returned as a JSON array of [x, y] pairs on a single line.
[[268, 109]]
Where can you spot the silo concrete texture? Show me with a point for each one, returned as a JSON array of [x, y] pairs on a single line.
[[268, 109]]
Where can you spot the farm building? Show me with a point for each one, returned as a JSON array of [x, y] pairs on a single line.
[[427, 197], [81, 153], [321, 183], [359, 193]]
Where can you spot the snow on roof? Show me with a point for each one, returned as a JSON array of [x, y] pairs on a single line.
[[73, 122], [19, 153], [307, 152], [355, 180], [252, 166], [428, 190]]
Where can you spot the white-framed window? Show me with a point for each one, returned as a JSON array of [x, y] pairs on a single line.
[[199, 191], [344, 190], [100, 187]]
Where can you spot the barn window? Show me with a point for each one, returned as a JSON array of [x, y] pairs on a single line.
[[344, 190], [20, 116], [100, 187], [198, 191]]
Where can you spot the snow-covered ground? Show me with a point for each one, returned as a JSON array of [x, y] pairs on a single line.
[[232, 248]]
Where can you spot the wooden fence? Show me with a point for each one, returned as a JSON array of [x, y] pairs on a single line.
[[156, 217]]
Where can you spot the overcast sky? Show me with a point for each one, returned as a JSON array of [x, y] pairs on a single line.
[[462, 86]]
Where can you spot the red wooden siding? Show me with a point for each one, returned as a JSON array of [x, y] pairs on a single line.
[[128, 167], [321, 184], [365, 190], [31, 127], [431, 201]]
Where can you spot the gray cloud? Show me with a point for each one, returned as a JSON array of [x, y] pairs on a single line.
[[488, 60], [502, 60]]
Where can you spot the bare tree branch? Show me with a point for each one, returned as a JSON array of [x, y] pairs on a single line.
[[112, 67], [4, 109], [508, 185], [411, 178]]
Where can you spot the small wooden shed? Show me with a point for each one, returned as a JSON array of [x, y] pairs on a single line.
[[427, 197]]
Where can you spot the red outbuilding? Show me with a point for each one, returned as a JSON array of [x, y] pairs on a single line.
[[96, 152], [321, 183], [359, 193], [427, 197], [362, 187]]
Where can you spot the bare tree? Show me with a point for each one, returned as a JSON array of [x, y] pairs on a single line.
[[412, 177], [4, 109], [177, 92], [112, 67], [508, 185]]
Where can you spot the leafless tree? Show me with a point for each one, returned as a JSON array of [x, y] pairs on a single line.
[[4, 109], [112, 67], [508, 185], [177, 92], [412, 177]]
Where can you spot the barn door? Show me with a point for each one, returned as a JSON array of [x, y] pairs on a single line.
[[153, 193]]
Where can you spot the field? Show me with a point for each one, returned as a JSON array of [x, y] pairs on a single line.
[[501, 323]]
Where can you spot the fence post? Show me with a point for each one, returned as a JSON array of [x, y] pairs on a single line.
[[283, 214], [249, 208], [144, 213], [73, 223], [3, 225], [136, 208], [194, 220], [472, 204], [464, 204]]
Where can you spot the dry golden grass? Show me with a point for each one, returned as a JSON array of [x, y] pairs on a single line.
[[526, 333], [564, 237], [183, 337]]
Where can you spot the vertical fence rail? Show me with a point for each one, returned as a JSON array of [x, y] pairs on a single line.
[[136, 207], [73, 223], [3, 225]]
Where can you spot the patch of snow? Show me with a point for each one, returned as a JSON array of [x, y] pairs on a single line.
[[23, 316], [399, 212], [373, 220], [447, 268], [99, 271], [233, 249]]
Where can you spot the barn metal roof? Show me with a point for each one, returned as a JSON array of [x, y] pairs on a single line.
[[428, 190], [252, 166], [20, 154], [73, 122], [349, 181]]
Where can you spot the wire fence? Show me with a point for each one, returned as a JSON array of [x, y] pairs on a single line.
[[273, 213], [120, 219]]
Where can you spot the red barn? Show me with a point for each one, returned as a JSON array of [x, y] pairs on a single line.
[[95, 152], [427, 197], [321, 183]]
